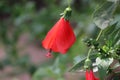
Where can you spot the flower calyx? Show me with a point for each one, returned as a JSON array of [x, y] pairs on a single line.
[[88, 64], [67, 13]]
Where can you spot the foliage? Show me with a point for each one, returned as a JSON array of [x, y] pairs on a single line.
[[36, 17]]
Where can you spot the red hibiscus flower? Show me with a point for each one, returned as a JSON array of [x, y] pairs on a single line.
[[90, 75], [60, 38]]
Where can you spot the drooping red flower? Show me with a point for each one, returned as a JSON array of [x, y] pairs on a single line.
[[90, 75], [60, 38]]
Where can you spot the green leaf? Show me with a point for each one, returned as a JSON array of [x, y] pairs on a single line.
[[103, 65], [112, 34], [115, 36], [80, 64], [103, 15], [105, 48], [110, 29]]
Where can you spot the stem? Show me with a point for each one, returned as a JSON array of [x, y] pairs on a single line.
[[99, 35], [89, 49], [96, 40], [69, 1], [89, 52]]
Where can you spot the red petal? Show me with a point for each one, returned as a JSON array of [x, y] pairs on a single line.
[[90, 75], [60, 37], [91, 72], [87, 75], [65, 36], [49, 40]]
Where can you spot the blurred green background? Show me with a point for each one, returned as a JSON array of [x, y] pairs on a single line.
[[24, 24]]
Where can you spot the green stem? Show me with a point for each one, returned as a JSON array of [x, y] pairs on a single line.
[[89, 49], [69, 1], [96, 40], [99, 35], [89, 53]]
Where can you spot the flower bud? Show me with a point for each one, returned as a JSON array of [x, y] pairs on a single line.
[[67, 13], [88, 63]]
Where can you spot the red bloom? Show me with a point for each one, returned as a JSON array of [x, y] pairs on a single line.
[[90, 75], [60, 38]]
